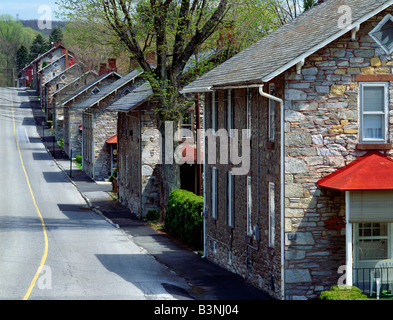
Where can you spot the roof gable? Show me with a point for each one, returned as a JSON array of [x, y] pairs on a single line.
[[289, 44], [108, 90], [90, 85]]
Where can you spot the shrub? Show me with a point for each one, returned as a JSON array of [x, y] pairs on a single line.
[[183, 217], [346, 293], [153, 215], [78, 158]]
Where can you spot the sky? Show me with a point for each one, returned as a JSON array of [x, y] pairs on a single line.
[[29, 9]]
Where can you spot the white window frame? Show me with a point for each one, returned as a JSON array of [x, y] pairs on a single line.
[[214, 113], [95, 88], [249, 112], [229, 113], [123, 93], [377, 28], [249, 206], [385, 85], [272, 222], [271, 123], [214, 192]]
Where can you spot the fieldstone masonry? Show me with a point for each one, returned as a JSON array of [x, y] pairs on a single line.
[[321, 135]]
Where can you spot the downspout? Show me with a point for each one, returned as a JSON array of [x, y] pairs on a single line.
[[282, 182], [204, 178]]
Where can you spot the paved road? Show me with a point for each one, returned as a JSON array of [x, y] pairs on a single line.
[[46, 224]]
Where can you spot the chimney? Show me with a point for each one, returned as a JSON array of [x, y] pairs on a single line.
[[67, 61], [112, 65], [103, 69]]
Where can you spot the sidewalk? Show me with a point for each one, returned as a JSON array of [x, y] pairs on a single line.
[[207, 280]]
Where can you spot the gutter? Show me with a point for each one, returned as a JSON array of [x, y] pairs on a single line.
[[282, 182]]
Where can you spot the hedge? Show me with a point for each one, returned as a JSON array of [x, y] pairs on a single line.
[[183, 218], [344, 293]]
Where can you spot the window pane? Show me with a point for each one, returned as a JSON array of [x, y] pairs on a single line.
[[373, 127], [373, 98], [385, 34], [373, 249]]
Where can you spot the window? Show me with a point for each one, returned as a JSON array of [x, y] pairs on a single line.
[[373, 241], [229, 113], [126, 91], [95, 90], [249, 207], [186, 125], [383, 34], [271, 127], [230, 199], [272, 223], [63, 77], [249, 114], [214, 192], [373, 103], [214, 112]]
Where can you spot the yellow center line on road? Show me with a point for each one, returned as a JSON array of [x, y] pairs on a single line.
[[33, 282]]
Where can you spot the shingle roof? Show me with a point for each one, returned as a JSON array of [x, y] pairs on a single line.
[[133, 99], [106, 91], [89, 85], [289, 44]]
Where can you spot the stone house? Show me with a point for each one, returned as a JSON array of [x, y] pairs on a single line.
[[48, 76], [139, 155], [55, 83], [314, 207], [55, 52], [99, 125], [72, 117], [64, 91]]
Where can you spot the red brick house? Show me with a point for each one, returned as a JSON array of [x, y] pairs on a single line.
[[314, 209]]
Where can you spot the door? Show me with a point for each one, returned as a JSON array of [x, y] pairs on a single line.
[[372, 243]]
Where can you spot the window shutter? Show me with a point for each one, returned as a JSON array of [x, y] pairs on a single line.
[[371, 206]]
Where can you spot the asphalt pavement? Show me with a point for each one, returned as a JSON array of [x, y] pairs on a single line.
[[206, 280]]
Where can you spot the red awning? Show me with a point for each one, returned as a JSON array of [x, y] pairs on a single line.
[[189, 153], [112, 140], [373, 171]]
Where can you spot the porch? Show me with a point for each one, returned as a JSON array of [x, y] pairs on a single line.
[[368, 279]]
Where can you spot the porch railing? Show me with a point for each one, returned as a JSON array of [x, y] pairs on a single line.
[[369, 280]]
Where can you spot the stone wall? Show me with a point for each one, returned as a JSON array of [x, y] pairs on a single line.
[[138, 158], [322, 133], [233, 247], [73, 117]]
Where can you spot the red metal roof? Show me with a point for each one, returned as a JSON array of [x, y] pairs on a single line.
[[373, 171], [112, 140]]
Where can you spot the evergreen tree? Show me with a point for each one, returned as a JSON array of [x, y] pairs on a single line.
[[307, 4], [39, 46], [55, 35], [22, 57]]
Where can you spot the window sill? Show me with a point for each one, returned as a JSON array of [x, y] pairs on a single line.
[[374, 146]]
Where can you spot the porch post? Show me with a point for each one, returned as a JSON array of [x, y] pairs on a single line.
[[348, 238]]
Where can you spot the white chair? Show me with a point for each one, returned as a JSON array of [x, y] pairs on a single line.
[[382, 273]]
